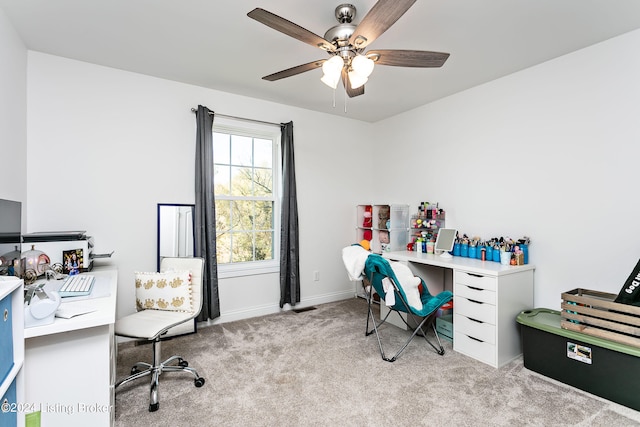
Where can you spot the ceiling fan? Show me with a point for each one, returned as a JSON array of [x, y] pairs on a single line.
[[346, 42]]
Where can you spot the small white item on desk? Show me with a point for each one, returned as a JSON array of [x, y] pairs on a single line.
[[69, 310], [40, 307]]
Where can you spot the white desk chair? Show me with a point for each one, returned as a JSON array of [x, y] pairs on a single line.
[[151, 324]]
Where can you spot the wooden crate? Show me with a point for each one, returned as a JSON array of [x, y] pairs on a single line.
[[595, 313]]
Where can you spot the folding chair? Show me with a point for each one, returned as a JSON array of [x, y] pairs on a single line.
[[382, 278]]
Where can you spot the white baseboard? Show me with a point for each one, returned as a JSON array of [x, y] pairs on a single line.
[[250, 312]]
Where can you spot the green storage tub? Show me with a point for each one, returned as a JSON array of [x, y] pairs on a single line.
[[598, 366]]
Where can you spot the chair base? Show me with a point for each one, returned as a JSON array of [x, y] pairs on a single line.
[[143, 369], [417, 331]]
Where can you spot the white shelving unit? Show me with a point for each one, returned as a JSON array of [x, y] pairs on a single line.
[[12, 330], [385, 226]]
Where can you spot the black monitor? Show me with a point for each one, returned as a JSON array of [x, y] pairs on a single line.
[[445, 240], [10, 237]]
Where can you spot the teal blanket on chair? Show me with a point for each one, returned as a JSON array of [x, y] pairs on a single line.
[[378, 268]]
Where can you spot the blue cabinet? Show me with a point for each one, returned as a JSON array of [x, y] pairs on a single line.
[[11, 351], [6, 337]]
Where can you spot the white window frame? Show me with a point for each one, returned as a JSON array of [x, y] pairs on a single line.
[[264, 131]]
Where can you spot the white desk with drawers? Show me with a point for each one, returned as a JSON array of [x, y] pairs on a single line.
[[487, 297]]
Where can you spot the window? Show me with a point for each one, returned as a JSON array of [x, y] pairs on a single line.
[[246, 186]]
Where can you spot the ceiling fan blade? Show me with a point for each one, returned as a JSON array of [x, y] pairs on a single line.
[[289, 28], [408, 58], [347, 85], [382, 15], [294, 70]]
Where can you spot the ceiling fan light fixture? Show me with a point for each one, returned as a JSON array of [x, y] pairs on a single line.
[[333, 65], [356, 79], [330, 80], [332, 68], [362, 65]]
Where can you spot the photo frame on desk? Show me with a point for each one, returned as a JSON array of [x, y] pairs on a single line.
[[72, 261]]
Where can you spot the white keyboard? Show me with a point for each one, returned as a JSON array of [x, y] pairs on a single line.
[[76, 286]]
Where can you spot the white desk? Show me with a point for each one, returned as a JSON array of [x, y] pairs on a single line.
[[70, 364], [487, 297]]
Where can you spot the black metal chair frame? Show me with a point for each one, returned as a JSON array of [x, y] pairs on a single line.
[[421, 322]]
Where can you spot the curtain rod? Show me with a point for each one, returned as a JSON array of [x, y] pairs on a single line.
[[193, 110]]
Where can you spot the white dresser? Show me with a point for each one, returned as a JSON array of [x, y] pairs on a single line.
[[485, 307], [487, 297]]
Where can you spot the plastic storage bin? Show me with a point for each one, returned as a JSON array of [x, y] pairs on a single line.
[[444, 327], [599, 366]]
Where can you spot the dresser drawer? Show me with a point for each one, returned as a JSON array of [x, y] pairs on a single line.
[[476, 280], [476, 294], [480, 350], [474, 309], [481, 330]]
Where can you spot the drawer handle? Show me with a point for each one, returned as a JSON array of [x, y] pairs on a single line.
[[474, 301], [474, 320], [6, 314], [475, 339], [475, 289], [475, 275]]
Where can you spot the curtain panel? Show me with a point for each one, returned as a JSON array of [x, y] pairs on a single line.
[[289, 247], [205, 214]]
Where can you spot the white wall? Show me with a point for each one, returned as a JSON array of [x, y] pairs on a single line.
[[550, 152], [13, 114], [105, 146]]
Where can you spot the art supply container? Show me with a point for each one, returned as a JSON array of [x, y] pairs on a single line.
[[456, 249], [472, 251], [525, 252], [464, 249]]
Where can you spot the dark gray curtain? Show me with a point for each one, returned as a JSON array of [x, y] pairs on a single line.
[[205, 214], [289, 253]]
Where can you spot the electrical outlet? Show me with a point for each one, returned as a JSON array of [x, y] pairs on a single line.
[[316, 276]]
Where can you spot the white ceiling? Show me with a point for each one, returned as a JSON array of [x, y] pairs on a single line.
[[212, 43]]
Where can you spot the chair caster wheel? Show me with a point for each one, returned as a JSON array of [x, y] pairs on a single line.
[[154, 407], [183, 363], [199, 382]]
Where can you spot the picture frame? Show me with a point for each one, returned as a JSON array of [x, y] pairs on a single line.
[[72, 261]]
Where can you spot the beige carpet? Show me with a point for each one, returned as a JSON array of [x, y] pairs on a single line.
[[317, 368]]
